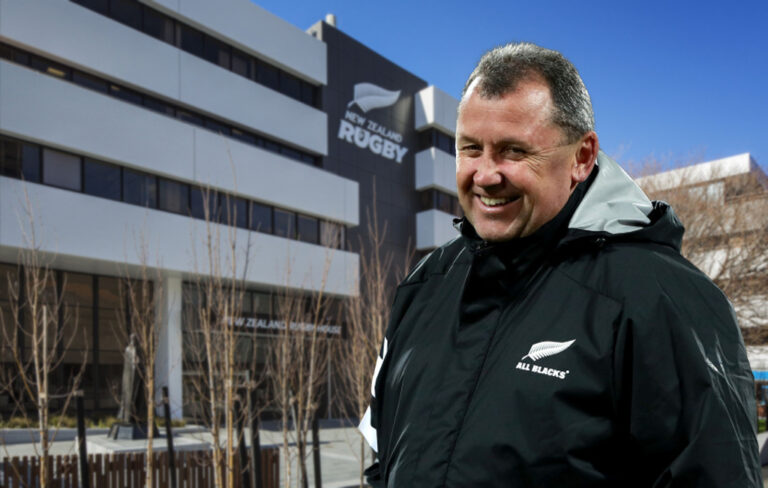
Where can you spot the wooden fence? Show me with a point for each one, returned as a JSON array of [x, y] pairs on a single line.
[[194, 469]]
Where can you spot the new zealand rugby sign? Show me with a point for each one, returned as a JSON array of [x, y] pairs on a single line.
[[366, 133]]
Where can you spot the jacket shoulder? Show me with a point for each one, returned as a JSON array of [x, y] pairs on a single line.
[[438, 261]]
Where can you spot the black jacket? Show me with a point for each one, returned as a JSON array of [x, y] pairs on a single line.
[[590, 354]]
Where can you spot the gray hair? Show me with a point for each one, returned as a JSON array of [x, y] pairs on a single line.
[[502, 68]]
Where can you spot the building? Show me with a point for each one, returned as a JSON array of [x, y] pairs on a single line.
[[724, 207], [128, 124]]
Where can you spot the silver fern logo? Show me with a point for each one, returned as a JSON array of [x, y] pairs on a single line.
[[545, 349], [542, 350], [369, 96]]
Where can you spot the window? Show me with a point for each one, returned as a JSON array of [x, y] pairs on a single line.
[[126, 12], [159, 26], [158, 106], [261, 218], [234, 211], [173, 196], [308, 94], [268, 76], [139, 188], [19, 160], [308, 229], [217, 127], [90, 82], [244, 136], [262, 303], [290, 85], [332, 235], [217, 52], [291, 153], [192, 40], [49, 67], [190, 118], [101, 180], [125, 94], [241, 63], [198, 199], [285, 224], [61, 169]]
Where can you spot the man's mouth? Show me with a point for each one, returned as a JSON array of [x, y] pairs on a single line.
[[496, 202]]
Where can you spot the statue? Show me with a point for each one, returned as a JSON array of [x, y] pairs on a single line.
[[126, 426]]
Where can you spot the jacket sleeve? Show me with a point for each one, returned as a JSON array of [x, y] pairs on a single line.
[[686, 393]]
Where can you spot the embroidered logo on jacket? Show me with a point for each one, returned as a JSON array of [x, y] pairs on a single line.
[[542, 350]]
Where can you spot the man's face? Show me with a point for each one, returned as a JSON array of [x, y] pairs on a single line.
[[514, 170]]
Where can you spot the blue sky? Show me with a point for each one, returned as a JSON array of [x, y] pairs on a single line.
[[679, 81]]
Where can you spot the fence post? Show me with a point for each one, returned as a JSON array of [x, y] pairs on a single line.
[[255, 439], [241, 443], [316, 452], [169, 437], [83, 452]]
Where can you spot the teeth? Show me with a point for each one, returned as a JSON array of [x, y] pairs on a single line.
[[492, 202]]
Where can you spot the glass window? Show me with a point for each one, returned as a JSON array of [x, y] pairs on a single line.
[[126, 12], [49, 67], [109, 292], [217, 52], [309, 159], [244, 136], [247, 303], [241, 63], [159, 26], [261, 218], [198, 198], [89, 81], [268, 76], [332, 235], [234, 211], [444, 202], [290, 85], [427, 200], [173, 196], [158, 106], [307, 93], [308, 229], [272, 146], [19, 160], [291, 153], [125, 94], [61, 169], [217, 127], [190, 117], [262, 303], [285, 224], [100, 179], [78, 289], [192, 40], [6, 52], [139, 188]]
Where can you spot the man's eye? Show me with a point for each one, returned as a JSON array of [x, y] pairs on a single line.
[[514, 152], [470, 147]]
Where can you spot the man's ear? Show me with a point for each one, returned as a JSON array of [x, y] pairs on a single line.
[[584, 157]]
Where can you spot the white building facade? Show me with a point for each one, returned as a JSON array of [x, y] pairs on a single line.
[[126, 125]]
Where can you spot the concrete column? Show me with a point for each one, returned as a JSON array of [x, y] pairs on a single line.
[[168, 363]]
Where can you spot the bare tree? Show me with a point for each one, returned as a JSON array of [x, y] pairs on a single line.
[[725, 215], [213, 343], [298, 359], [140, 292], [37, 339], [367, 315]]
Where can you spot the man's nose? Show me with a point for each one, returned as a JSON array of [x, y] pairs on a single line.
[[487, 173]]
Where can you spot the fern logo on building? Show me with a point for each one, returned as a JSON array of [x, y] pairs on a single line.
[[369, 134], [542, 350]]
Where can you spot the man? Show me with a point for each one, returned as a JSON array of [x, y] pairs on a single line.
[[561, 340]]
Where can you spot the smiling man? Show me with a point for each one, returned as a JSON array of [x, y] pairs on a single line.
[[561, 340]]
